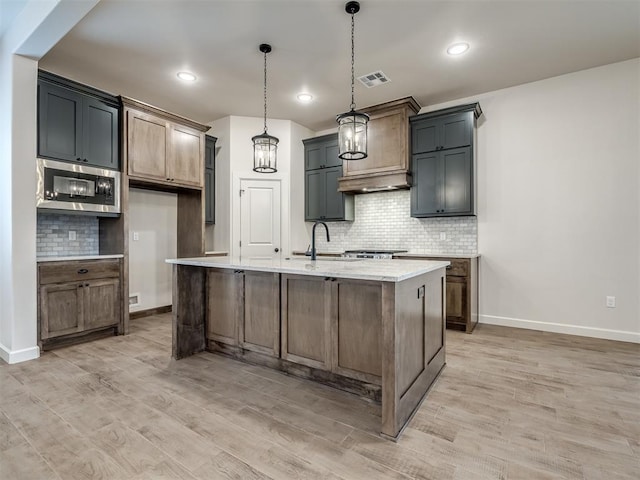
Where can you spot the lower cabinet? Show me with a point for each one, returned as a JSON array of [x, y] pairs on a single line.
[[243, 310], [462, 291], [77, 297], [333, 324]]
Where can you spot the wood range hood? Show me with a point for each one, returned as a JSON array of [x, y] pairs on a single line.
[[387, 166]]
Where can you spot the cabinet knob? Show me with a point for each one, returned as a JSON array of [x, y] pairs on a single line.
[[84, 160], [82, 271], [78, 159]]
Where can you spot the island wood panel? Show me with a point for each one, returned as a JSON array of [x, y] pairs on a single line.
[[147, 145], [305, 317], [102, 303], [189, 308], [224, 305], [186, 155], [260, 326], [62, 309], [408, 308], [356, 326]]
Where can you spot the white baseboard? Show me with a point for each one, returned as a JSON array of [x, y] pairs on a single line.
[[17, 356], [605, 333]]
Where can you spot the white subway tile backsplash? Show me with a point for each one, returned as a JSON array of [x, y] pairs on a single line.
[[382, 220], [52, 235]]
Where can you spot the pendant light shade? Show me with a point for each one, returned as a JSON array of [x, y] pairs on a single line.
[[265, 146], [352, 125]]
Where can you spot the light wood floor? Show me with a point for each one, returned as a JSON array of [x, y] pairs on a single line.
[[510, 404]]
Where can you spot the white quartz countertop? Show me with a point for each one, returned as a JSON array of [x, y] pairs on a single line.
[[438, 255], [216, 253], [359, 269], [77, 257]]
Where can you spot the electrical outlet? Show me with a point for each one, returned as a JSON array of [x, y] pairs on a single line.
[[72, 234], [611, 302], [136, 236], [443, 235]]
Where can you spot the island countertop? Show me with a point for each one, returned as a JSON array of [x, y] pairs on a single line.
[[353, 268]]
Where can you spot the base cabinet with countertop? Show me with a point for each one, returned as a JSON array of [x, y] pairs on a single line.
[[77, 298], [376, 330], [462, 289]]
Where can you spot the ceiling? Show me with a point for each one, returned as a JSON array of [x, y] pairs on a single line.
[[135, 48], [9, 10]]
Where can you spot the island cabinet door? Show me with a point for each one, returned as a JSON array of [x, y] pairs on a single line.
[[305, 314], [356, 328], [225, 292], [260, 326]]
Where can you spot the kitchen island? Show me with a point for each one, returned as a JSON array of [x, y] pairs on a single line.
[[372, 327]]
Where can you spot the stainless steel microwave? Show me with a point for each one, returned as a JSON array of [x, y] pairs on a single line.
[[77, 188]]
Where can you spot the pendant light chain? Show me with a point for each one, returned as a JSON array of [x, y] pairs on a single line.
[[265, 92], [353, 102]]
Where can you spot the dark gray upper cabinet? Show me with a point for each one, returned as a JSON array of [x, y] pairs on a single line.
[[210, 179], [321, 152], [442, 162], [442, 183], [323, 168], [77, 123]]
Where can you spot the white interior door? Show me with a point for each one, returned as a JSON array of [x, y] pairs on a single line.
[[260, 218]]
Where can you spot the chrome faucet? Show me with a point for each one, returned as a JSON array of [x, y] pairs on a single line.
[[313, 238]]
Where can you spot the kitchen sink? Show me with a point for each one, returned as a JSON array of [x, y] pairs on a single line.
[[325, 259]]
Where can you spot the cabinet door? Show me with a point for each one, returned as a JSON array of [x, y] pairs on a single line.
[[321, 153], [331, 151], [100, 134], [146, 145], [456, 300], [334, 200], [209, 180], [424, 136], [306, 321], [356, 325], [315, 195], [59, 123], [224, 305], [426, 194], [457, 187], [456, 130], [102, 300], [387, 138], [61, 309], [260, 327], [185, 164]]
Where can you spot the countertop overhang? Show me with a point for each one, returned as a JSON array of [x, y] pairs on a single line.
[[358, 269]]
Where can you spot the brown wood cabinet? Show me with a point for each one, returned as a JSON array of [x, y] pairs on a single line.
[[462, 291], [76, 298], [162, 147], [243, 310], [387, 163], [333, 324]]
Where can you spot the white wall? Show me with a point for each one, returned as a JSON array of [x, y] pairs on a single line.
[[558, 203], [235, 162], [38, 26], [300, 235], [153, 216]]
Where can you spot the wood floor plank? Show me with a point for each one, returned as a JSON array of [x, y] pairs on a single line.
[[510, 405]]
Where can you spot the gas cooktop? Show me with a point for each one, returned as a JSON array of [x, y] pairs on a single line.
[[377, 253]]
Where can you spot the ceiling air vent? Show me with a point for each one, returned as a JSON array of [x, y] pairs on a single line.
[[374, 79]]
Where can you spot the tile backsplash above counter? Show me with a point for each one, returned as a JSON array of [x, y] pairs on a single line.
[[52, 235], [382, 220]]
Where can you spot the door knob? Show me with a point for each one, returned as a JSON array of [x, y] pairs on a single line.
[[276, 249]]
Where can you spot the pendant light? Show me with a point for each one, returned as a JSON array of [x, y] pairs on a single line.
[[265, 146], [352, 125]]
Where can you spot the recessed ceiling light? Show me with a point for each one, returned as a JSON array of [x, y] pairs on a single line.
[[457, 48], [186, 76], [305, 97]]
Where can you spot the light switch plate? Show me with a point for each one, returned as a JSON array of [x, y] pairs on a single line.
[[611, 302], [136, 236], [72, 235]]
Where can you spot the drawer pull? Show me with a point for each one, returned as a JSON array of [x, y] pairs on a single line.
[[83, 271]]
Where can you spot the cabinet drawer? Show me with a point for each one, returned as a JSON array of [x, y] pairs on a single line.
[[58, 272], [458, 267]]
